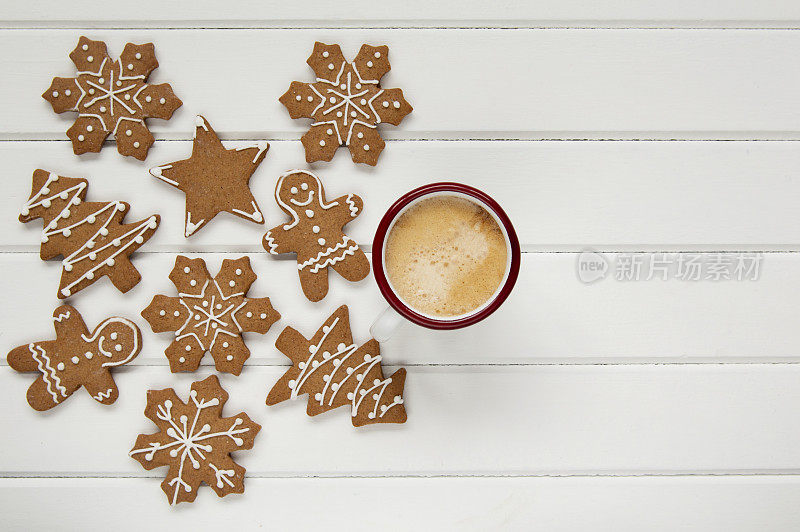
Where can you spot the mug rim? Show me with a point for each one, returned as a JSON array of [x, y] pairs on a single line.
[[382, 232]]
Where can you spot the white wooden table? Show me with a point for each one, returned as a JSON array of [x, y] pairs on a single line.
[[616, 405]]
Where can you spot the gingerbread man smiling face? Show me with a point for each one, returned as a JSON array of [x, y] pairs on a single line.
[[315, 233]]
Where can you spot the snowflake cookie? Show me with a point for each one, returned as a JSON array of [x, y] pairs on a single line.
[[334, 372], [77, 358], [315, 232], [195, 441], [89, 235], [346, 103], [112, 98], [210, 314], [214, 179]]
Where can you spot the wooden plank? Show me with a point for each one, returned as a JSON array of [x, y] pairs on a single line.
[[549, 420], [562, 196], [695, 84], [551, 317], [656, 504], [548, 13]]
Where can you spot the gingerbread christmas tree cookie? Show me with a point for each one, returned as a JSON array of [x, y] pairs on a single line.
[[112, 98], [77, 358], [315, 233], [194, 441], [214, 178], [89, 235], [210, 314], [346, 103], [334, 372]]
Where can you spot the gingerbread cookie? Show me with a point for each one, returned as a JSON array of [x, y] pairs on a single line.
[[76, 358], [334, 372], [195, 441], [210, 314], [112, 98], [346, 103], [89, 235], [315, 233], [214, 179]]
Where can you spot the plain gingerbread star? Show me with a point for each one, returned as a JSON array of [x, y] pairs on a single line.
[[77, 358], [214, 178]]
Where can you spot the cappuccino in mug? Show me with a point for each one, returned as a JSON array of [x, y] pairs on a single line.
[[445, 256]]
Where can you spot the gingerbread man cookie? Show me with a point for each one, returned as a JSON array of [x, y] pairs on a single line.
[[76, 358], [112, 98], [315, 233]]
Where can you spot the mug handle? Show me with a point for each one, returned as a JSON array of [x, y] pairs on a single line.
[[386, 324]]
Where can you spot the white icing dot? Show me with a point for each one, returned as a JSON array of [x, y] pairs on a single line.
[[46, 203], [232, 283], [148, 99], [249, 314], [329, 132], [318, 396], [92, 256], [386, 104], [304, 185], [350, 395], [214, 325], [65, 213], [358, 85], [162, 313], [101, 81], [197, 317], [367, 358], [139, 56], [335, 386], [314, 363], [119, 83], [85, 47], [129, 132], [186, 270], [114, 336], [102, 109], [371, 415], [326, 355], [293, 190], [75, 360], [91, 91], [110, 262], [363, 101], [332, 99], [298, 98], [188, 347], [67, 233], [182, 360], [322, 143], [130, 66], [238, 271], [162, 101], [366, 147], [369, 64], [330, 66], [66, 292], [88, 355], [176, 313], [136, 144], [55, 94], [104, 231], [396, 105], [301, 365], [360, 134], [263, 316], [292, 384], [89, 275], [193, 283], [315, 229], [377, 55], [384, 408], [80, 138], [89, 128], [117, 242], [339, 114], [127, 96], [325, 54], [205, 303], [89, 58], [229, 357], [219, 305], [60, 366], [321, 241], [310, 98], [349, 371], [67, 266], [67, 92], [139, 240], [117, 347], [225, 344]]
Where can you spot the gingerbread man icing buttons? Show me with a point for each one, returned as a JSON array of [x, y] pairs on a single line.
[[214, 179], [315, 233], [77, 358], [112, 98], [346, 103], [210, 314]]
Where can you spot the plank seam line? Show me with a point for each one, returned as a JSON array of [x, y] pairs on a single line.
[[366, 248], [591, 363], [601, 137], [418, 25]]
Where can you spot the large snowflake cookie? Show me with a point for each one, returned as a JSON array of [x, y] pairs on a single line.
[[112, 98], [214, 179], [89, 235], [210, 314], [334, 372], [195, 441], [346, 103], [315, 232], [77, 358]]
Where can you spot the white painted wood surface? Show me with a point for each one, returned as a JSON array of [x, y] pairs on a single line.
[[611, 406]]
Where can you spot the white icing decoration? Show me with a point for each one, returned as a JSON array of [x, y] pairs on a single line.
[[102, 396], [212, 317], [291, 210], [348, 247], [49, 375]]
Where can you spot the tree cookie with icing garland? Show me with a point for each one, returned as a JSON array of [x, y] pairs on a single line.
[[214, 178], [334, 372], [77, 358], [112, 98], [194, 441], [315, 233], [89, 235], [346, 103], [210, 314]]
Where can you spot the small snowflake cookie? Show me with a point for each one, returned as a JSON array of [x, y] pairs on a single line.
[[112, 98], [210, 314], [89, 235], [346, 103], [214, 179], [334, 372], [195, 441], [77, 358], [315, 233]]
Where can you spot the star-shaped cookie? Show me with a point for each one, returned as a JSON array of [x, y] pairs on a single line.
[[214, 179]]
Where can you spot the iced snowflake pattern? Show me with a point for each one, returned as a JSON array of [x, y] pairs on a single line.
[[112, 98], [210, 314], [195, 441], [346, 103]]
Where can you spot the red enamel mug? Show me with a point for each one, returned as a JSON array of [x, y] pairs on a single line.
[[392, 317]]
